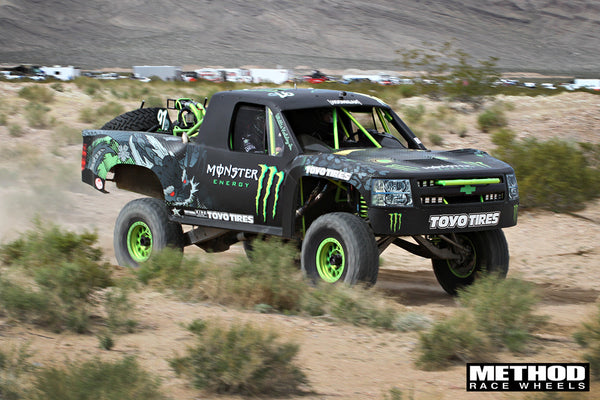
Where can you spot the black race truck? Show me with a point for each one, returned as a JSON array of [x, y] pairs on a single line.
[[337, 172]]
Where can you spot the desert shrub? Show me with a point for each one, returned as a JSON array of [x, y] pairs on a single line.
[[491, 119], [67, 135], [90, 86], [15, 130], [14, 371], [436, 139], [119, 309], [66, 270], [110, 109], [58, 86], [508, 323], [553, 175], [96, 379], [37, 94], [3, 119], [413, 115], [47, 244], [240, 359], [154, 101], [37, 116], [485, 325], [453, 340], [87, 115], [270, 277], [588, 337]]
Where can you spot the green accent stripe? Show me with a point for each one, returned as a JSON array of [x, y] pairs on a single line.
[[462, 182]]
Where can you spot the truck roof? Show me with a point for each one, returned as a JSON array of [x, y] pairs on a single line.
[[289, 99]]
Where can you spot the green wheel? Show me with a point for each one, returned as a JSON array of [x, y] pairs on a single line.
[[143, 227], [139, 241], [340, 247], [330, 260], [484, 252]]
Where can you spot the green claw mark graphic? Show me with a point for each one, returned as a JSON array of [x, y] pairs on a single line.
[[395, 221], [267, 177]]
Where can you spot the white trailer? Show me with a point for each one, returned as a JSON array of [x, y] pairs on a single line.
[[164, 72], [62, 73], [277, 76], [593, 84]]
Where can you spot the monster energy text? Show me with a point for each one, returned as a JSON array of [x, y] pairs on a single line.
[[269, 183], [395, 221]]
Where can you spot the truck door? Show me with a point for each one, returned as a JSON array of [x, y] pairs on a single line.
[[247, 179]]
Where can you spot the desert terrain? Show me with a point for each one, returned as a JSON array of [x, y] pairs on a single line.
[[559, 253]]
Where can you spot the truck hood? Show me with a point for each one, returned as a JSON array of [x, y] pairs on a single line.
[[359, 165]]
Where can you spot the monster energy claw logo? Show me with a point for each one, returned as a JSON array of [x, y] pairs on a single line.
[[267, 180], [395, 221]]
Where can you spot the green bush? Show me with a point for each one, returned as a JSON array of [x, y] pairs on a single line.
[[87, 115], [413, 115], [497, 314], [37, 94], [37, 116], [66, 270], [508, 323], [589, 338], [436, 139], [96, 379], [491, 119], [240, 359], [553, 175], [3, 119], [14, 371], [270, 277], [15, 130], [110, 109]]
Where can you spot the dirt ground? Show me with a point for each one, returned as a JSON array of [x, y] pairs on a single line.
[[557, 252]]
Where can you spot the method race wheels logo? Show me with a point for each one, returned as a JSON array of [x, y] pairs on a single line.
[[270, 180], [530, 377]]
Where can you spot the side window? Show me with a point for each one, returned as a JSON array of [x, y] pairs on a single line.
[[249, 129], [256, 131]]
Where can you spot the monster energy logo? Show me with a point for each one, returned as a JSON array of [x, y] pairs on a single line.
[[266, 180], [395, 221]]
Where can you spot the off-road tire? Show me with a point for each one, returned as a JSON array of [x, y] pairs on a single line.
[[340, 247], [143, 228], [142, 119], [488, 255]]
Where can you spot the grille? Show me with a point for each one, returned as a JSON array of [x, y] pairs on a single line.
[[436, 192]]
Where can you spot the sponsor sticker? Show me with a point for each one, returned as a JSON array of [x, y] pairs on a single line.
[[219, 216], [328, 172], [461, 221], [528, 377]]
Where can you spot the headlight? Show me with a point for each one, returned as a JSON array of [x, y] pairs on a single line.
[[391, 192], [513, 187]]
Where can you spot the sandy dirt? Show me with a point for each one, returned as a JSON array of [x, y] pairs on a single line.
[[559, 253]]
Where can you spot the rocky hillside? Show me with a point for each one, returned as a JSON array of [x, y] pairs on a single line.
[[527, 35]]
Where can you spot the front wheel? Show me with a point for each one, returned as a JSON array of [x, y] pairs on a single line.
[[484, 252], [340, 247], [142, 228]]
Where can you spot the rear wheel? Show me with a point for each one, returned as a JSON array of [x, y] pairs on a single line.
[[340, 247], [142, 228], [484, 252]]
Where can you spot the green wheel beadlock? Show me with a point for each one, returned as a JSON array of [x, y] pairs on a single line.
[[139, 241], [331, 260]]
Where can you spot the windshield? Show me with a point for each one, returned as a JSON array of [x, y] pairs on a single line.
[[332, 128]]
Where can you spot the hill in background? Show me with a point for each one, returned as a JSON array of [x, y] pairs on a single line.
[[548, 36]]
